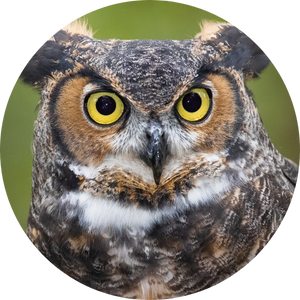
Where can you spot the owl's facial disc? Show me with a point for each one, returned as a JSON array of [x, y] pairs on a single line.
[[156, 150]]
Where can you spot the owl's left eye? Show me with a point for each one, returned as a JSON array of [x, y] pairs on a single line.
[[195, 105], [104, 108]]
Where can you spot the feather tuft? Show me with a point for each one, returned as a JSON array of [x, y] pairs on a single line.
[[79, 26]]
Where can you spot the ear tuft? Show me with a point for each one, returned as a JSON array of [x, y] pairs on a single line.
[[55, 54], [46, 60], [80, 27], [242, 53], [209, 30]]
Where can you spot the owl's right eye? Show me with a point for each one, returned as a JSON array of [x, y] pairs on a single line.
[[104, 108]]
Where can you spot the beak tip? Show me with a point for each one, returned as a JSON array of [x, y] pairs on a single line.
[[157, 175]]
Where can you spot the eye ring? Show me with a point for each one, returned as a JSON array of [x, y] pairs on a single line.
[[104, 108], [195, 105]]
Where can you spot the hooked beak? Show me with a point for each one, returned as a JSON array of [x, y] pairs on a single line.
[[156, 151]]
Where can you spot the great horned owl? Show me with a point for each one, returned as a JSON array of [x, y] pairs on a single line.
[[153, 176]]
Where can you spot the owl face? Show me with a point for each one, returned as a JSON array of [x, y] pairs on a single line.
[[140, 135]]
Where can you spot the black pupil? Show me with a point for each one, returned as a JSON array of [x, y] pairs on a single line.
[[191, 102], [106, 105]]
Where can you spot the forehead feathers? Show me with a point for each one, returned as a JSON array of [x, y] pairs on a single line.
[[150, 70], [146, 68]]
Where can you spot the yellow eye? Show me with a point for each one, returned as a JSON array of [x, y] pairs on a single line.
[[194, 105], [104, 108]]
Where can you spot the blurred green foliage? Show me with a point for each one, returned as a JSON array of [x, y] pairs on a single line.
[[134, 20]]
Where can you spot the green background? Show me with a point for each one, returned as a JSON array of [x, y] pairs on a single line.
[[134, 20]]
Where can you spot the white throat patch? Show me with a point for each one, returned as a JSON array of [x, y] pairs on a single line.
[[98, 213]]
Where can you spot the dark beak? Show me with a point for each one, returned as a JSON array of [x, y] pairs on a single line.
[[156, 151]]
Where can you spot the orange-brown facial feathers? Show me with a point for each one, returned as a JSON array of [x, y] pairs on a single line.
[[217, 128], [88, 142]]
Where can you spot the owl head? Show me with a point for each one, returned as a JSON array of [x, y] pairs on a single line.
[[154, 125]]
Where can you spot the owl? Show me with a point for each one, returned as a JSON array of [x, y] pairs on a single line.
[[153, 176]]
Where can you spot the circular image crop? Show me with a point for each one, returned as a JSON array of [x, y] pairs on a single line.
[[149, 157]]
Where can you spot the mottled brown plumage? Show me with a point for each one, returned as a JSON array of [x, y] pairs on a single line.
[[153, 205]]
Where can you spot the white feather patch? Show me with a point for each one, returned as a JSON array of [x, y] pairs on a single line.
[[125, 162], [97, 214]]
